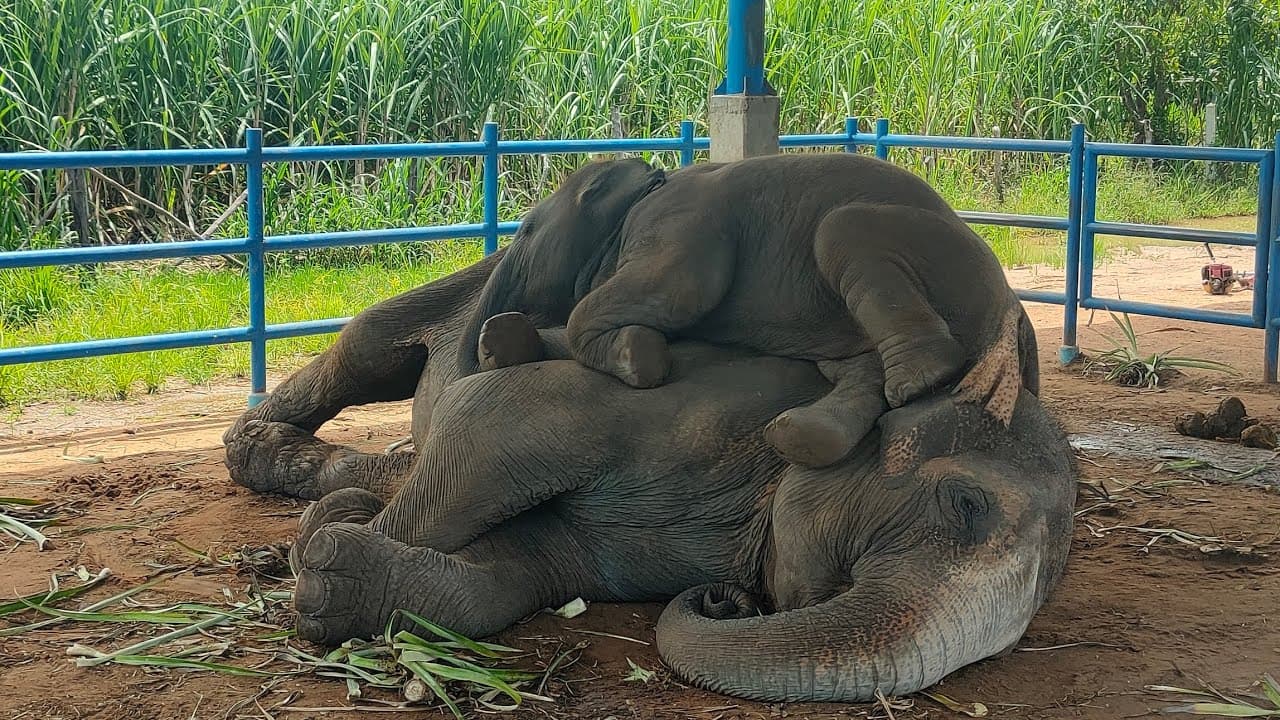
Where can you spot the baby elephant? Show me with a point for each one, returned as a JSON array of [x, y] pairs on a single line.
[[838, 258]]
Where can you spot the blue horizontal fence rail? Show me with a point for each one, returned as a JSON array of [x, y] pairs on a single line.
[[1080, 225]]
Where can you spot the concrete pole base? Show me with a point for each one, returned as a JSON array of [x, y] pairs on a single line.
[[742, 126]]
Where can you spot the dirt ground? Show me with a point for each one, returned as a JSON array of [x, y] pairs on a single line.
[[1137, 607]]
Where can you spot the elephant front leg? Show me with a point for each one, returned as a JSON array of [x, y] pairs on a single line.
[[825, 432], [865, 252], [352, 579], [620, 328]]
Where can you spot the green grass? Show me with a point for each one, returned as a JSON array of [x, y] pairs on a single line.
[[66, 305], [164, 299], [81, 74]]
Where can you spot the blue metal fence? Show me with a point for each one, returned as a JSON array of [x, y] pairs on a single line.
[[1080, 225]]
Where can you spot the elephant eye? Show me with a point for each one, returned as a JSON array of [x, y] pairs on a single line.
[[966, 507]]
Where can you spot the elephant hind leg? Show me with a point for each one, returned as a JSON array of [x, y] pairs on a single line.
[[825, 432], [276, 457], [869, 254], [380, 356], [352, 579]]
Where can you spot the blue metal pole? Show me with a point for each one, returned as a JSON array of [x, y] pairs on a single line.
[[1071, 305], [256, 268], [491, 169], [882, 129], [744, 50], [1272, 348], [686, 142], [1262, 250], [1088, 212], [851, 131]]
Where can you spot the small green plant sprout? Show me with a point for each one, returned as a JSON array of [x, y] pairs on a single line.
[[638, 673], [1126, 363]]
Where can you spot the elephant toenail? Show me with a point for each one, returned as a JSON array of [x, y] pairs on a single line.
[[311, 593], [321, 550], [311, 630]]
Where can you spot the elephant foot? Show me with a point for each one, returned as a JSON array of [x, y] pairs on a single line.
[[348, 505], [508, 339], [644, 359], [920, 368], [276, 457], [351, 580], [811, 437], [344, 586]]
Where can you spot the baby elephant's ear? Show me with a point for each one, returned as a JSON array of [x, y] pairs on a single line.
[[592, 188], [996, 380]]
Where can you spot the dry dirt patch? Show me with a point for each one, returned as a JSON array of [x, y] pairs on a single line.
[[1173, 578]]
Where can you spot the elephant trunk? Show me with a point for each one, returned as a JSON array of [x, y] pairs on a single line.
[[896, 634], [537, 282], [503, 289]]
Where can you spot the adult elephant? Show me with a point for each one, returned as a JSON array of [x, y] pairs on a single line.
[[930, 547], [832, 257]]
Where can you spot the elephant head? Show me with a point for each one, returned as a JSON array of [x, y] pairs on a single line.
[[560, 246], [928, 549]]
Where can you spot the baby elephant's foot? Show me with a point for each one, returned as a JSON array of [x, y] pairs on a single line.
[[643, 357], [276, 457], [348, 505], [509, 339], [923, 366], [812, 437]]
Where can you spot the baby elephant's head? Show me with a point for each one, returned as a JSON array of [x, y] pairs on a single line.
[[561, 246], [603, 191]]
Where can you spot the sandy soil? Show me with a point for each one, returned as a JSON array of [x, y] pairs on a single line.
[[1136, 608]]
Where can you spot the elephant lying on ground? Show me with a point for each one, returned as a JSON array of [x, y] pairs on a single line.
[[929, 548], [832, 257]]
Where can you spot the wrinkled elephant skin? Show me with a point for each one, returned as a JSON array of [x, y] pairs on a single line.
[[928, 548]]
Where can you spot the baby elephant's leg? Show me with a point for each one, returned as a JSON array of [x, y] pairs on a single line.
[[666, 286], [874, 256], [511, 339], [825, 432]]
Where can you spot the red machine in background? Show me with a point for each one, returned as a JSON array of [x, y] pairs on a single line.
[[1217, 278]]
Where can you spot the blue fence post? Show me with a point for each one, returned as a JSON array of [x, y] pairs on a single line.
[[491, 169], [1088, 215], [1262, 233], [744, 50], [851, 131], [686, 142], [882, 129], [1071, 302], [1272, 333], [254, 202]]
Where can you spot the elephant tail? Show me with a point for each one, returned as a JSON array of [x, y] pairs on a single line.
[[892, 635]]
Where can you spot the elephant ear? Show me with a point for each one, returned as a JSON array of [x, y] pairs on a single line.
[[593, 187], [995, 381]]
